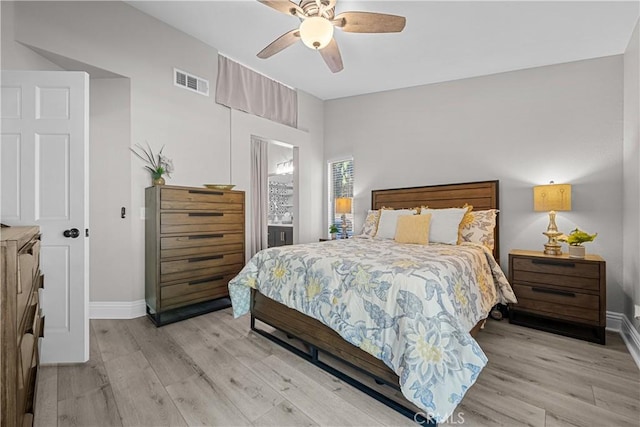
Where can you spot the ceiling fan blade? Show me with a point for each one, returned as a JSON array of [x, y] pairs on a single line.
[[282, 42], [285, 6], [331, 55], [369, 22]]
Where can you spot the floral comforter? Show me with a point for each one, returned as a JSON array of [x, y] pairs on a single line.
[[410, 306]]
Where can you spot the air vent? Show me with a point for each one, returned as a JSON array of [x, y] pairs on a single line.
[[191, 82]]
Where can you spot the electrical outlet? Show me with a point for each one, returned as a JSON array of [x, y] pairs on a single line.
[[637, 312], [143, 213]]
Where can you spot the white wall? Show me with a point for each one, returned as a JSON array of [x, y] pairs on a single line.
[[631, 187], [110, 173], [194, 129], [561, 123]]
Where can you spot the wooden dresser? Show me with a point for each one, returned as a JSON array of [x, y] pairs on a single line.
[[22, 323], [195, 243], [559, 294]]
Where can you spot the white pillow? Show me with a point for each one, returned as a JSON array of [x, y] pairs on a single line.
[[444, 224], [389, 221]]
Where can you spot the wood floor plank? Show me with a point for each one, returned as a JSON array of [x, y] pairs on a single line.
[[499, 408], [169, 361], [95, 408], [284, 415], [47, 397], [245, 389], [362, 401], [114, 338], [80, 378], [202, 403], [314, 400], [139, 394], [620, 403], [571, 409], [561, 350]]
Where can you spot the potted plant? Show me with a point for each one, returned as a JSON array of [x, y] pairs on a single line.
[[333, 230], [575, 239], [157, 164]]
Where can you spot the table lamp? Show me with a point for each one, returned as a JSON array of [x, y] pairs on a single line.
[[343, 206], [551, 198]]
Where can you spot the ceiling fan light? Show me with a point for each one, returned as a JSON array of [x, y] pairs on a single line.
[[316, 32]]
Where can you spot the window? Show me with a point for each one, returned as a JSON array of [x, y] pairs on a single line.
[[340, 185]]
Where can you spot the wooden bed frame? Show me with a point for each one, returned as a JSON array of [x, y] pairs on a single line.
[[321, 339]]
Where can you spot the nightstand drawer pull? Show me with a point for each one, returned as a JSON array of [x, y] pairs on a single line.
[[205, 258], [553, 291], [217, 193], [206, 236], [550, 262], [207, 280], [206, 214]]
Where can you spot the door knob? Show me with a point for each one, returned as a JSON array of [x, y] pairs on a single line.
[[73, 233]]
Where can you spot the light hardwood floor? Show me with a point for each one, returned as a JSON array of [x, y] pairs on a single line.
[[211, 370]]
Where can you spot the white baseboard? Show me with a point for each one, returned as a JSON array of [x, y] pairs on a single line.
[[618, 322], [117, 309]]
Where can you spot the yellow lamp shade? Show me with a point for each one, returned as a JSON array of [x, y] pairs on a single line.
[[343, 205], [552, 197]]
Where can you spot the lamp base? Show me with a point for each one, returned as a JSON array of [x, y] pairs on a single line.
[[552, 247]]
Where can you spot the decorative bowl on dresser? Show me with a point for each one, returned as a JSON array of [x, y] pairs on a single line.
[[559, 294], [194, 246], [21, 325]]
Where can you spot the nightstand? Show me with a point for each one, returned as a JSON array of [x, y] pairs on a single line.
[[559, 294]]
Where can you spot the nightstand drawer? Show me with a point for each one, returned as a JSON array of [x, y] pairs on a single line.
[[558, 311], [550, 295], [561, 267], [553, 280]]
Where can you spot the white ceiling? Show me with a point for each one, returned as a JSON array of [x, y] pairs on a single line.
[[442, 41]]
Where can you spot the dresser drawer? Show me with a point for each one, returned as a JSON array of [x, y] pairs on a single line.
[[195, 263], [196, 244], [201, 199], [558, 267], [200, 222], [551, 280], [194, 291], [201, 273], [576, 299]]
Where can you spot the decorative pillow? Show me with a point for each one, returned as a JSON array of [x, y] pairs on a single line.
[[445, 224], [370, 224], [477, 227], [413, 229], [388, 222]]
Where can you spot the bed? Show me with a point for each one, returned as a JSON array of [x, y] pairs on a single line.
[[354, 272]]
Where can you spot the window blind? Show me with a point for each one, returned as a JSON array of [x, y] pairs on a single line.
[[340, 185]]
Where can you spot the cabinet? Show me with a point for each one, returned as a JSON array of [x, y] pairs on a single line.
[[559, 294], [22, 323], [280, 236], [195, 244]]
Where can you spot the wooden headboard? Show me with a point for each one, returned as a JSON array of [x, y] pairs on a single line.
[[481, 195]]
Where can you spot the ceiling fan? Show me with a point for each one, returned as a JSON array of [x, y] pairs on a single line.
[[316, 29]]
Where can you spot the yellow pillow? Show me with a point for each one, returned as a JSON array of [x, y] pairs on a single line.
[[413, 229]]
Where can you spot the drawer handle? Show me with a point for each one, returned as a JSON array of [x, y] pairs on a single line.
[[206, 236], [207, 280], [205, 258], [553, 291], [206, 214], [217, 193], [550, 262]]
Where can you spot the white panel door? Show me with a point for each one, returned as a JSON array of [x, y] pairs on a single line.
[[44, 181]]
